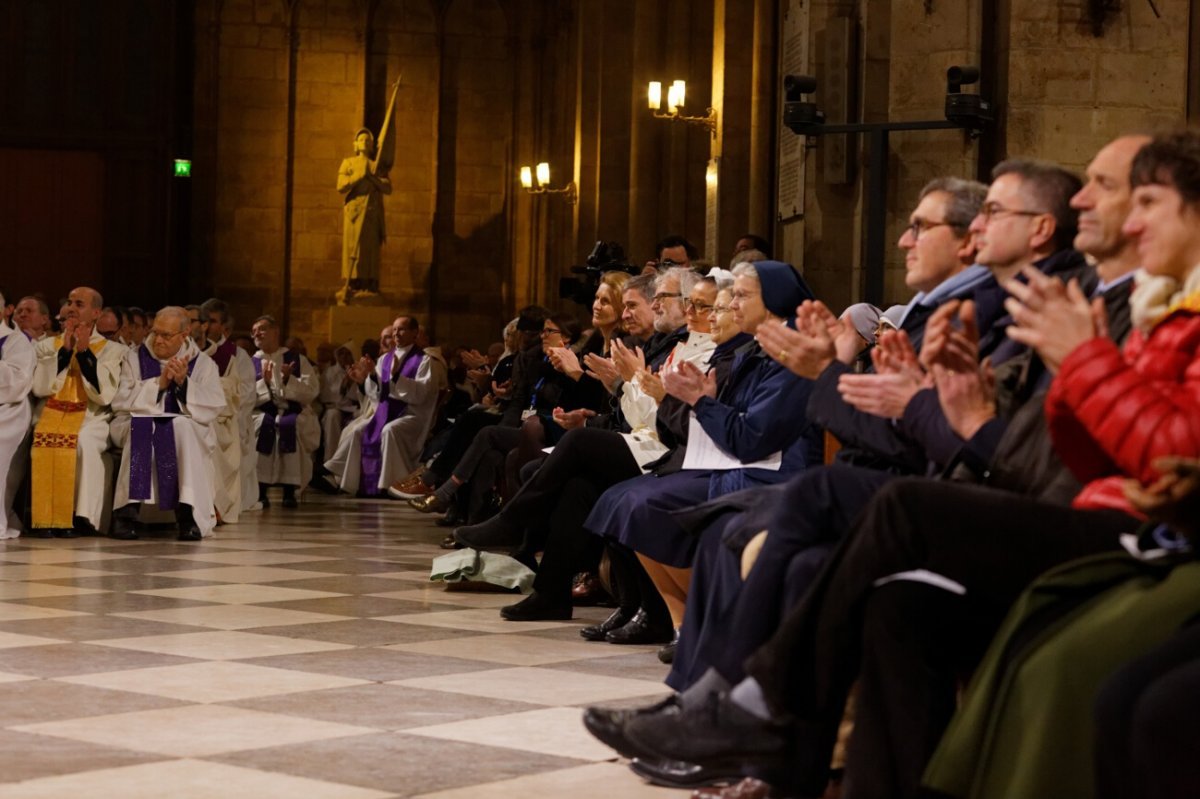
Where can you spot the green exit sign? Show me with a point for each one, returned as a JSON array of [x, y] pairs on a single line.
[[183, 168]]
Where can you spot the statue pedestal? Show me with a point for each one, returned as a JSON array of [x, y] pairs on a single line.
[[359, 321]]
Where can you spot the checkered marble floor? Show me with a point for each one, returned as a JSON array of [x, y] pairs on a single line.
[[298, 654]]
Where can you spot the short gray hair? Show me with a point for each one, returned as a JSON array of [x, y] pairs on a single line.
[[745, 269], [687, 278], [965, 199], [180, 315]]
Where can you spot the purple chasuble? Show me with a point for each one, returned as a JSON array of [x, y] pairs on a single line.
[[152, 440], [275, 423], [389, 409]]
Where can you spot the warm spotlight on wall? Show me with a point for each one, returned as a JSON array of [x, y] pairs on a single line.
[[676, 100], [542, 172]]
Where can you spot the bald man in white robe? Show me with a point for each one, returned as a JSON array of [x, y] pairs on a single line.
[[78, 372], [172, 394]]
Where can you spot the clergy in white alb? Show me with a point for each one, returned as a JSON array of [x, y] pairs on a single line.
[[373, 455], [237, 382], [78, 372], [286, 428], [172, 394], [17, 362]]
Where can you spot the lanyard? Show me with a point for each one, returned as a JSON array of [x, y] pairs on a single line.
[[533, 400]]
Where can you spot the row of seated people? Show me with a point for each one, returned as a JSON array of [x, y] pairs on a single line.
[[106, 415], [1045, 367]]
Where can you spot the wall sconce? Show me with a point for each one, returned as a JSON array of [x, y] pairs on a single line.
[[676, 100], [569, 192]]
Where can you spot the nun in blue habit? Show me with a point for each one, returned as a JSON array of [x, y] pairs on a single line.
[[757, 412]]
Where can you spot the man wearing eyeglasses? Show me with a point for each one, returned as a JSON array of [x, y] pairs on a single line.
[[170, 395]]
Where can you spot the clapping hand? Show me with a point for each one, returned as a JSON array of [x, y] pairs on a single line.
[[286, 370], [966, 388], [805, 351], [268, 371], [83, 335], [1174, 498], [628, 361], [569, 420], [897, 378], [472, 359], [688, 384], [652, 384], [603, 369], [566, 361]]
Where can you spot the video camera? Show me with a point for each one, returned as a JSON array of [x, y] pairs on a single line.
[[606, 256]]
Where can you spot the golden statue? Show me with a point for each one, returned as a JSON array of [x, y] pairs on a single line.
[[363, 179]]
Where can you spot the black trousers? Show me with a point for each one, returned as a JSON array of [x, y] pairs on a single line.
[[818, 506], [553, 504], [1147, 733], [461, 435], [993, 543]]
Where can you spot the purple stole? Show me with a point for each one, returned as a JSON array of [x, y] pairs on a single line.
[[273, 423], [223, 354], [389, 409], [152, 441]]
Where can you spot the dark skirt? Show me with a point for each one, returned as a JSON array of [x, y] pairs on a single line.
[[637, 513]]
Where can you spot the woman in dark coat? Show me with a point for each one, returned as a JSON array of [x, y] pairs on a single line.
[[757, 417]]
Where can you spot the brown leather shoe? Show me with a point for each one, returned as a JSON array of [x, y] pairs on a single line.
[[588, 590], [410, 487], [749, 788], [428, 504]]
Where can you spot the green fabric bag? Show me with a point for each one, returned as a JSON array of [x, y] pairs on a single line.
[[1024, 727]]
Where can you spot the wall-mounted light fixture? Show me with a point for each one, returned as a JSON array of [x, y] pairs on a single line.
[[569, 191], [676, 100]]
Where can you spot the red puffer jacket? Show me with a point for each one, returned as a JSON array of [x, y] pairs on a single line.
[[1112, 413]]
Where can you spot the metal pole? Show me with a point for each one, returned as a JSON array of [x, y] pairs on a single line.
[[876, 213]]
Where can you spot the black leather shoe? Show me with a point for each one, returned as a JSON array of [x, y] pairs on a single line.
[[449, 543], [123, 528], [666, 652], [615, 621], [609, 725], [44, 532], [289, 497], [191, 534], [537, 607], [495, 533], [322, 483], [641, 630], [679, 774], [82, 527], [715, 733]]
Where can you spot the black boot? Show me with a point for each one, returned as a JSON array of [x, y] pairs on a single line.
[[262, 496]]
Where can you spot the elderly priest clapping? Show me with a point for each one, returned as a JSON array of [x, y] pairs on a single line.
[[172, 393]]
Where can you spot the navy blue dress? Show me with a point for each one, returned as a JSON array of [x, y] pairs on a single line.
[[758, 411]]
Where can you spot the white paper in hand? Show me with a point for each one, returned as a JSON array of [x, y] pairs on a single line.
[[703, 454]]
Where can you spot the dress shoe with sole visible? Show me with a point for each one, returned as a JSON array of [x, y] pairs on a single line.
[[678, 774], [608, 725], [641, 630], [615, 621], [412, 488], [449, 543], [495, 533], [428, 504], [536, 607], [715, 733], [748, 788]]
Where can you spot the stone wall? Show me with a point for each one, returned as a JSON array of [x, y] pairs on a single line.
[[1061, 92]]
